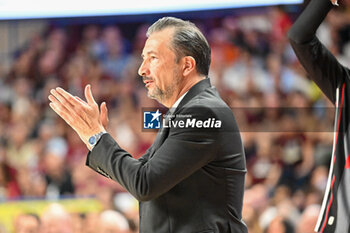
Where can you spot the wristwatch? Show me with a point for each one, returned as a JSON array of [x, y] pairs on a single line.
[[94, 139]]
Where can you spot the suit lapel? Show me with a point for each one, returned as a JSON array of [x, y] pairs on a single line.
[[164, 132], [161, 135]]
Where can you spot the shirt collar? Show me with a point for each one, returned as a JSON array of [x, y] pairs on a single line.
[[177, 102]]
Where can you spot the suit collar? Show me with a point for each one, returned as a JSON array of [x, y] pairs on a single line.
[[195, 90]]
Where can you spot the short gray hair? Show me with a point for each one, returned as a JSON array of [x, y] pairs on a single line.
[[188, 40]]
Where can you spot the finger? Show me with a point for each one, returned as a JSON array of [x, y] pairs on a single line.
[[81, 101], [104, 115], [62, 110], [88, 95], [54, 100], [72, 122], [63, 114], [71, 99], [62, 100]]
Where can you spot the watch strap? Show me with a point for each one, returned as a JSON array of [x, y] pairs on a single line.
[[97, 138]]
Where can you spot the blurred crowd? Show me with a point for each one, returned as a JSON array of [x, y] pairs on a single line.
[[285, 121], [56, 219]]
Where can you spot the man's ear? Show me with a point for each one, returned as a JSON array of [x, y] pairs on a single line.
[[189, 65]]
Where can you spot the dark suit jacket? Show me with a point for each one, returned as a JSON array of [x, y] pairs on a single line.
[[191, 179], [334, 80]]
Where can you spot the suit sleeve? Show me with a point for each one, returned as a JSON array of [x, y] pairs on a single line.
[[182, 153], [322, 67]]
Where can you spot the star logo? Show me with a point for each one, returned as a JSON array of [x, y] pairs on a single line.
[[151, 120], [156, 115]]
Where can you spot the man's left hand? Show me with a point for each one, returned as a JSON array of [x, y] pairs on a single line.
[[84, 117]]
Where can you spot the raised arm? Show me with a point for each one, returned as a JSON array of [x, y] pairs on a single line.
[[322, 67], [304, 28]]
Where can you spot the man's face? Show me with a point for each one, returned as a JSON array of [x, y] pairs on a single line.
[[161, 74]]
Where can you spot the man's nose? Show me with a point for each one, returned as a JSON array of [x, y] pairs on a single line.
[[144, 69]]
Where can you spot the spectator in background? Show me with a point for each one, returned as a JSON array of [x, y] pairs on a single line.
[[58, 177], [91, 223], [77, 223], [113, 222], [111, 50], [9, 188], [280, 225], [55, 219], [308, 219], [247, 74], [128, 206], [27, 223]]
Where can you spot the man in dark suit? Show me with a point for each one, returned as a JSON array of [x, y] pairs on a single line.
[[192, 178], [334, 80]]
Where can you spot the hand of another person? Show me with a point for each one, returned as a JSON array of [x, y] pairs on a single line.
[[334, 2], [84, 117]]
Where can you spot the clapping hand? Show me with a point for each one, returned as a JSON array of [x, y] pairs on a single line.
[[86, 118]]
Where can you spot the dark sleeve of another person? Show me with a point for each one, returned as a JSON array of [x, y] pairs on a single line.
[[322, 67]]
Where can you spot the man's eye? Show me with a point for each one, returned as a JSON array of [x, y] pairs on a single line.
[[153, 57]]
